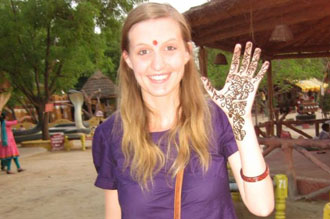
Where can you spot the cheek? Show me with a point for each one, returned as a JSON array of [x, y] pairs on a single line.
[[140, 68], [176, 62]]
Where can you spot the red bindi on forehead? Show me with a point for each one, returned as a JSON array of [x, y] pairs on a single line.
[[155, 42]]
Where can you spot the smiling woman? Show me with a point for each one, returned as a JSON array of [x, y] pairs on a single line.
[[166, 127], [158, 68]]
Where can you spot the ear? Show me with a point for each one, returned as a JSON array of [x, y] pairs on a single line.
[[127, 59], [188, 53]]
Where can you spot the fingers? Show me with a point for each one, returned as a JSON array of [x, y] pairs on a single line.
[[235, 60], [254, 63], [261, 73], [209, 88], [246, 58]]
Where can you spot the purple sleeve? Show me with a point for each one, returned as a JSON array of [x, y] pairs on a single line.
[[103, 161], [222, 126]]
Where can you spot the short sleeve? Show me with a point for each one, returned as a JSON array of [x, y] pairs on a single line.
[[11, 123], [103, 161], [223, 128]]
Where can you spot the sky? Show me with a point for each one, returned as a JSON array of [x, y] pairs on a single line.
[[182, 5]]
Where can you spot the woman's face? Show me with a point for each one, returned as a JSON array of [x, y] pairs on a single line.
[[157, 55]]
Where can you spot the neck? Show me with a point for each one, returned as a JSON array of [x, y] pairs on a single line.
[[164, 112]]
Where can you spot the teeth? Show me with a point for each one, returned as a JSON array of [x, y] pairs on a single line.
[[158, 77]]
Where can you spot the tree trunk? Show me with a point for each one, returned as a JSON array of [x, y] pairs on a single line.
[[13, 113], [45, 129], [43, 118]]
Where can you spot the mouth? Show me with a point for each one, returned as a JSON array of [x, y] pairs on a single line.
[[159, 78]]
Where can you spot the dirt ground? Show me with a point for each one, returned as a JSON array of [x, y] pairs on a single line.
[[61, 185]]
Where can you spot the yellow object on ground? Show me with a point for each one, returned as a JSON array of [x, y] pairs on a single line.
[[236, 196], [37, 143], [68, 144], [281, 193], [326, 211]]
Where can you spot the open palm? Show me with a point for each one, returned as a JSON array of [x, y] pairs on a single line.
[[236, 97]]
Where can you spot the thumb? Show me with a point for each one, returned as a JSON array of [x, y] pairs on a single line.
[[208, 86]]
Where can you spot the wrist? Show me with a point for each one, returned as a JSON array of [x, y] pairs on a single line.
[[241, 127]]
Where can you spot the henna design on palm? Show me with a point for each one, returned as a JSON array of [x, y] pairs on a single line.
[[236, 98]]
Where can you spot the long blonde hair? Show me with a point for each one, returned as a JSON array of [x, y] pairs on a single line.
[[192, 125]]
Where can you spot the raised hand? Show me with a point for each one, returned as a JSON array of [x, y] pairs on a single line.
[[236, 97]]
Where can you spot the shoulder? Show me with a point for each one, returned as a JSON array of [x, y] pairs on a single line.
[[110, 131], [109, 124]]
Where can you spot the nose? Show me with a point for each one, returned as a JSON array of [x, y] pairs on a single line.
[[158, 61]]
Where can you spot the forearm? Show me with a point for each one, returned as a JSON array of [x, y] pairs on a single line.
[[112, 207], [252, 160], [258, 196]]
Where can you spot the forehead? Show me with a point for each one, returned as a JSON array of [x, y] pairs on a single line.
[[160, 29]]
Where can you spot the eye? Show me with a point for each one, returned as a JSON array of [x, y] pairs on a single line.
[[143, 52], [170, 48]]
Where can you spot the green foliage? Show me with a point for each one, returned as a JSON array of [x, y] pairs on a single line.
[[325, 102], [109, 21], [217, 73], [47, 45], [284, 71]]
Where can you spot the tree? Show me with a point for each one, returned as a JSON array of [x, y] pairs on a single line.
[[109, 21], [324, 100], [290, 70], [47, 45]]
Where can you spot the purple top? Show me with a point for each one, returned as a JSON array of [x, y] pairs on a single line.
[[203, 195]]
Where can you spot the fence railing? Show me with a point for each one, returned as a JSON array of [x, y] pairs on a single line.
[[299, 145]]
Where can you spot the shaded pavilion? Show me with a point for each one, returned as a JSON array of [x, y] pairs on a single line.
[[221, 24]]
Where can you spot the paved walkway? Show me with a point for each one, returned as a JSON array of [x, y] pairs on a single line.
[[30, 151]]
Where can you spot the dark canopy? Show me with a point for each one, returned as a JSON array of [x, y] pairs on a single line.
[[223, 23]]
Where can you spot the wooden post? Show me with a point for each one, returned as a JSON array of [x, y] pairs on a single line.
[[291, 174], [202, 57], [317, 129], [270, 98]]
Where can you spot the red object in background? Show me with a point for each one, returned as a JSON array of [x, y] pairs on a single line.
[[286, 134], [49, 107]]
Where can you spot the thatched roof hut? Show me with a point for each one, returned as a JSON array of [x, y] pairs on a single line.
[[100, 82]]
